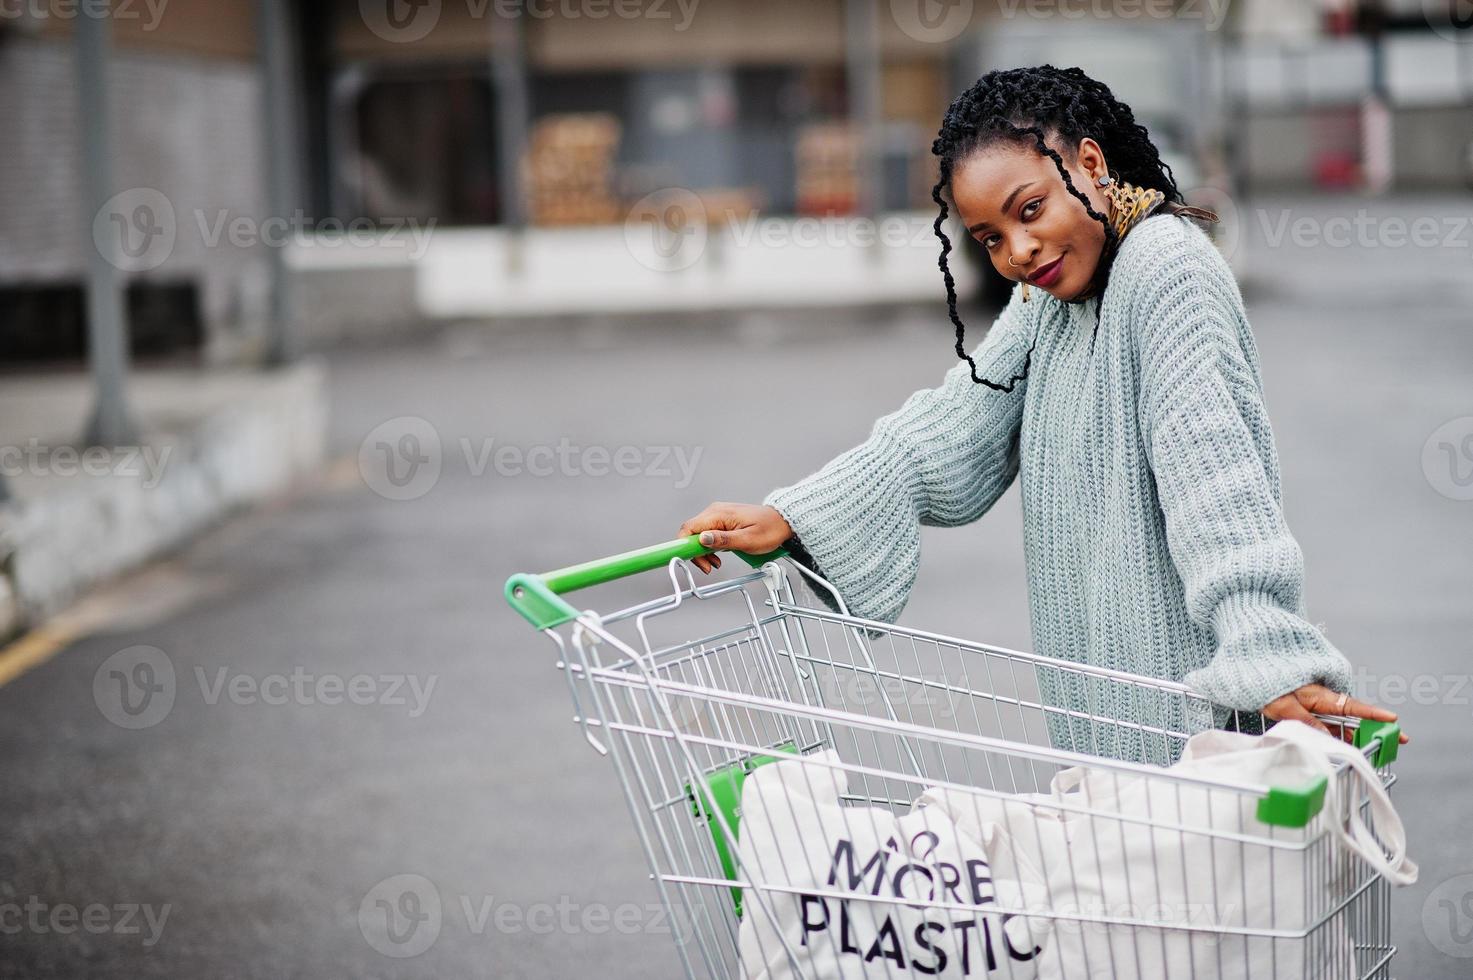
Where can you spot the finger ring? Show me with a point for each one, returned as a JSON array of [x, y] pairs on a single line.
[[1340, 708]]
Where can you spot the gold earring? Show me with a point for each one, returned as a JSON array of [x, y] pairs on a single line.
[[1111, 190]]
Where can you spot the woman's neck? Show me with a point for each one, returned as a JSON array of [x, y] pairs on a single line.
[[1129, 206]]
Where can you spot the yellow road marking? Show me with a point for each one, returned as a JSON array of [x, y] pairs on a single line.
[[109, 604], [34, 649]]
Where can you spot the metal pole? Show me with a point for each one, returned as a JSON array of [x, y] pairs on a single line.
[[1378, 158], [862, 78], [345, 154], [1240, 112], [509, 83], [279, 131], [107, 327]]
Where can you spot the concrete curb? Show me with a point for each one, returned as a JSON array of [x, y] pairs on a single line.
[[56, 545]]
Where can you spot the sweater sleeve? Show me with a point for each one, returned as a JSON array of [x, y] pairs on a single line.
[[1211, 450], [942, 459]]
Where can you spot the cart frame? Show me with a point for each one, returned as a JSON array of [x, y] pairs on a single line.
[[685, 722]]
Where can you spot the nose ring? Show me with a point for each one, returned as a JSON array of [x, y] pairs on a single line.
[[1011, 262]]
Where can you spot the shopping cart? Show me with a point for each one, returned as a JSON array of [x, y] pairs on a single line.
[[781, 669]]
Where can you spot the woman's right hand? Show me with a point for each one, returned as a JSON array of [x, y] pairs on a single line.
[[753, 528]]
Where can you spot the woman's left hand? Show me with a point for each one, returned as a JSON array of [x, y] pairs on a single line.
[[1299, 705]]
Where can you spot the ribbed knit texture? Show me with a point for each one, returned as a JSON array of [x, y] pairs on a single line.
[[1152, 521]]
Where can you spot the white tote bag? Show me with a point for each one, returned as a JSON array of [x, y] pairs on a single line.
[[850, 891], [1196, 863]]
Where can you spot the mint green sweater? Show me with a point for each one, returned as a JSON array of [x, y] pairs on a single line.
[[1153, 530]]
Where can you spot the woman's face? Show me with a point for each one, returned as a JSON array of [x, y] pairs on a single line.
[[1013, 201]]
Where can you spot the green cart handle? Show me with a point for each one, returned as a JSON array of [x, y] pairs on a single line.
[[539, 597]]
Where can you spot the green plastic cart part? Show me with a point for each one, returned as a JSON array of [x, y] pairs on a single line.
[[1293, 807], [542, 607], [539, 597], [723, 792], [1387, 733]]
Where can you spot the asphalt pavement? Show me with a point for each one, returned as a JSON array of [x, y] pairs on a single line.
[[230, 770]]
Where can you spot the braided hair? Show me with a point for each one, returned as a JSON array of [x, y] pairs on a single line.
[[1011, 105]]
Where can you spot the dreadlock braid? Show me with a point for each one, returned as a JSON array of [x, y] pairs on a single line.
[[1015, 104]]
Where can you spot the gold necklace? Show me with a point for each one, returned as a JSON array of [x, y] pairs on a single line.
[[1130, 204]]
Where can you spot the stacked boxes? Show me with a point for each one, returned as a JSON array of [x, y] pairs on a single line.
[[569, 170], [828, 169]]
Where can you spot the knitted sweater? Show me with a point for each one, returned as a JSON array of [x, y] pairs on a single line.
[[1153, 529]]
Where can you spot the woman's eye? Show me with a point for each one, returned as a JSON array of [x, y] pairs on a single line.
[[987, 242], [1031, 204]]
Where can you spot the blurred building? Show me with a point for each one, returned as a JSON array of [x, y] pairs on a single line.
[[186, 121], [1340, 95], [474, 119], [717, 95]]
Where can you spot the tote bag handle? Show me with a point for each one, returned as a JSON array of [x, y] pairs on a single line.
[[1388, 856]]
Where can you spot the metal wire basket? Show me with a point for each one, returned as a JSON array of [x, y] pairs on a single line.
[[779, 670]]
